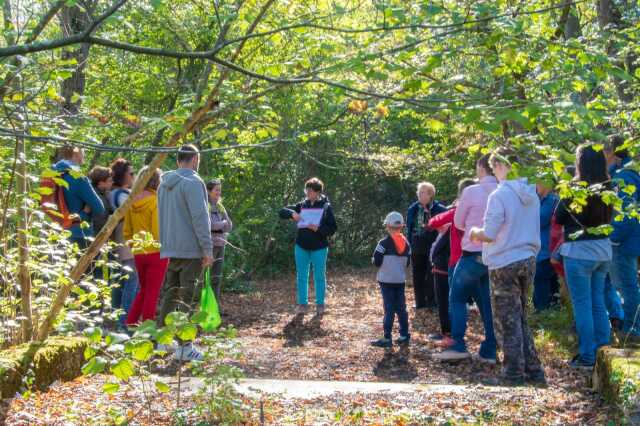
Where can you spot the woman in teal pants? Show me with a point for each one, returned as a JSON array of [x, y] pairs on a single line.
[[316, 223]]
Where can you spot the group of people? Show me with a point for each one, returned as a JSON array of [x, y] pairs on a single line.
[[499, 238], [502, 236], [174, 228]]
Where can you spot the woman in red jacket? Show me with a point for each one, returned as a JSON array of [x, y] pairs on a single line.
[[442, 222]]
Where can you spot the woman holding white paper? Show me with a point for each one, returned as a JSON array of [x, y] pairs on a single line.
[[316, 223]]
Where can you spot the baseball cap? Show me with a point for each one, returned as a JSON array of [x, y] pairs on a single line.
[[394, 219]]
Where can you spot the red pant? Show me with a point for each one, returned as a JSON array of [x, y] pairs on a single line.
[[151, 270]]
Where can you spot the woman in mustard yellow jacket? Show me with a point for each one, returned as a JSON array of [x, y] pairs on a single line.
[[141, 230]]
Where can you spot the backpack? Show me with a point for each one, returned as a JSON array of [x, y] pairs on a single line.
[[52, 201], [440, 251]]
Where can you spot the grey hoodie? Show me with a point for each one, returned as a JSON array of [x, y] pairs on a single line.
[[512, 221], [183, 212]]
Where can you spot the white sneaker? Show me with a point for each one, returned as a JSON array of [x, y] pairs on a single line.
[[188, 353], [451, 355], [167, 348]]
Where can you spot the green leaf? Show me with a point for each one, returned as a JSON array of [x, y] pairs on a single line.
[[175, 318], [188, 332], [435, 125], [94, 366], [142, 351], [123, 369], [94, 334], [156, 3], [166, 335], [162, 387], [110, 388], [220, 134], [199, 317]]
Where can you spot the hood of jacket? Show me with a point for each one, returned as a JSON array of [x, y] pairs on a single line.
[[319, 203], [526, 193], [65, 165], [144, 203], [171, 179]]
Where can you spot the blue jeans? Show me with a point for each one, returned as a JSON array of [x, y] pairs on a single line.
[[394, 303], [585, 280], [624, 276], [471, 279], [126, 288], [317, 258], [543, 284], [612, 300]]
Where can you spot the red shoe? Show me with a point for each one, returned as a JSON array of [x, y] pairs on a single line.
[[446, 342]]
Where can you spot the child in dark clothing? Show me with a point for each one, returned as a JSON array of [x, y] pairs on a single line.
[[440, 253], [392, 257]]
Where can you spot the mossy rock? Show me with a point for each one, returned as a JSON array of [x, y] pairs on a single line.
[[59, 358], [617, 378]]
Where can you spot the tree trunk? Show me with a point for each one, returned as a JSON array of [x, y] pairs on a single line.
[[24, 276], [74, 20]]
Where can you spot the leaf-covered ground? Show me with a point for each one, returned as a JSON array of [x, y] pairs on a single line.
[[335, 347]]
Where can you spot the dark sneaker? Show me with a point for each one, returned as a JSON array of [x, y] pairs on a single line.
[[536, 379], [436, 337], [513, 381], [485, 360], [451, 355], [403, 340], [616, 324], [579, 364], [382, 343]]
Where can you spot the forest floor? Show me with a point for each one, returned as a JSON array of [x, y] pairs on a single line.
[[277, 345]]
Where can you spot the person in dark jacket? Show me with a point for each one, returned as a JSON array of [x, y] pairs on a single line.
[[101, 180], [392, 257], [79, 195], [625, 238], [316, 223], [421, 237]]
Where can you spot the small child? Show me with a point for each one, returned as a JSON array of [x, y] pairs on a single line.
[[392, 257]]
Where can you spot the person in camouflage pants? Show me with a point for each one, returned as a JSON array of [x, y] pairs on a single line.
[[510, 295], [511, 237]]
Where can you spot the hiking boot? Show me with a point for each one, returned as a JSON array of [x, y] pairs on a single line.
[[403, 340], [382, 343], [188, 353], [579, 364], [485, 360], [320, 309], [451, 355], [301, 309]]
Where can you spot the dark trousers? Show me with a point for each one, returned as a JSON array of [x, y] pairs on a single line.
[[422, 281], [180, 287], [545, 284], [394, 304], [442, 294]]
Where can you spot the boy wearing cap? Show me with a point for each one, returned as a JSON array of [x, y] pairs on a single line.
[[392, 257]]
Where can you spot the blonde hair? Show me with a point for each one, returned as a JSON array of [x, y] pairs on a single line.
[[429, 186]]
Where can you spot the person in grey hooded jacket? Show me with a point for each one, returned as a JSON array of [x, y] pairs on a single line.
[[185, 237], [511, 237]]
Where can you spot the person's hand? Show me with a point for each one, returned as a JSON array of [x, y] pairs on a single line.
[[87, 209], [555, 261], [473, 235], [314, 228], [207, 261], [296, 217]]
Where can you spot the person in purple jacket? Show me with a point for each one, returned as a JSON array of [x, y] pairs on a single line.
[[220, 227]]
